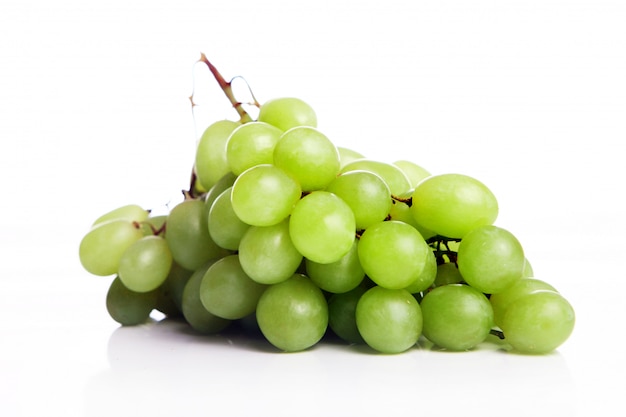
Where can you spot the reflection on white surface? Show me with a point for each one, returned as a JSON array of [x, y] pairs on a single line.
[[163, 368]]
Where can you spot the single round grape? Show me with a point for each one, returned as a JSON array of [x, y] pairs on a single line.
[[211, 163], [287, 112], [501, 301], [456, 317], [218, 188], [102, 247], [539, 322], [490, 259], [367, 195], [293, 315], [227, 291], [188, 235], [251, 144], [427, 277], [414, 172], [264, 195], [342, 314], [339, 276], [447, 273], [390, 321], [453, 204], [396, 179], [309, 156], [127, 307], [393, 254], [348, 155], [196, 315], [267, 254], [145, 265], [322, 227], [225, 227], [130, 212]]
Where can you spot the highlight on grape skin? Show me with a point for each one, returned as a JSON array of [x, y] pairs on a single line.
[[285, 234]]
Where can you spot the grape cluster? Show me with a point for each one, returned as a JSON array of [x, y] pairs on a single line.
[[285, 230]]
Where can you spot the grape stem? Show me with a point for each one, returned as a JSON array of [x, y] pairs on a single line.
[[440, 245], [408, 201], [497, 333]]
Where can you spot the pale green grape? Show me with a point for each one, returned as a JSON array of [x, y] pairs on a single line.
[[211, 163], [348, 155], [251, 144], [225, 227], [538, 322], [102, 247], [414, 172], [390, 321], [342, 314], [196, 315], [393, 254], [220, 186], [267, 254], [322, 227], [145, 265], [447, 273], [501, 301], [427, 277], [293, 315], [367, 195], [396, 180], [456, 317], [528, 269], [188, 235], [490, 259], [127, 307], [309, 156], [264, 195], [227, 291], [130, 212], [154, 225], [287, 112], [339, 276], [401, 211], [453, 204]]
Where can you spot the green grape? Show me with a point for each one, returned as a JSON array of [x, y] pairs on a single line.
[[309, 156], [389, 320], [348, 155], [414, 172], [367, 195], [339, 276], [251, 144], [293, 315], [227, 291], [145, 265], [196, 315], [456, 317], [102, 247], [188, 235], [490, 259], [170, 300], [127, 307], [322, 227], [264, 195], [427, 277], [211, 163], [220, 186], [538, 322], [267, 254], [447, 273], [225, 227], [396, 180], [528, 269], [130, 212], [501, 301], [401, 211], [342, 314], [453, 204], [287, 112], [153, 225], [393, 254]]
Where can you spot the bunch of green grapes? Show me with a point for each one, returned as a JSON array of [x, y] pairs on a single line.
[[286, 230]]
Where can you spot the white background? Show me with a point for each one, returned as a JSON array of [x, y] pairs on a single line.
[[527, 96]]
